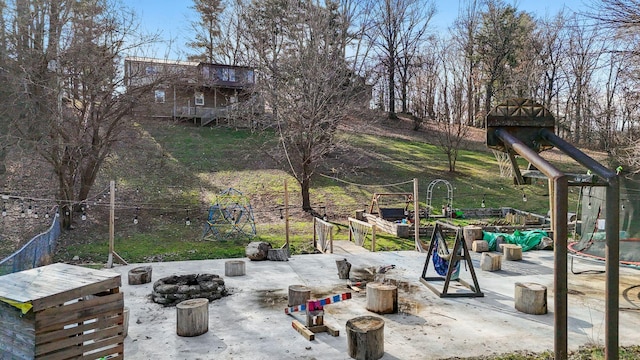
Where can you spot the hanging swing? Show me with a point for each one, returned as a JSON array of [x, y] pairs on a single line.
[[447, 264]]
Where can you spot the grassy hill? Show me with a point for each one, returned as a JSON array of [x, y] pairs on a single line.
[[166, 172], [169, 171]]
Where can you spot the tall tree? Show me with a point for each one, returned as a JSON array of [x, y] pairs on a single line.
[[65, 79], [206, 31], [399, 22], [305, 77], [464, 33], [499, 38]]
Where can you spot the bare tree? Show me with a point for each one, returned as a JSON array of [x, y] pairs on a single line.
[[66, 79], [399, 30], [451, 106], [464, 33], [305, 77]]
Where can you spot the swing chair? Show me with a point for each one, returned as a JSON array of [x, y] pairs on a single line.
[[447, 265]]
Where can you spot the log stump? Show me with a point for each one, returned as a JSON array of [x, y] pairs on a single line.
[[278, 254], [234, 268], [192, 317], [480, 246], [471, 233], [344, 267], [491, 261], [365, 338], [140, 275], [382, 298], [257, 250], [531, 298], [298, 295], [500, 241], [512, 252]]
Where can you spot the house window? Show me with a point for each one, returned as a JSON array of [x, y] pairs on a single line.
[[159, 96], [232, 75], [199, 98], [223, 74], [250, 76]]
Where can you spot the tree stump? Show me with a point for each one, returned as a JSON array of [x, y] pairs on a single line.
[[471, 233], [512, 252], [500, 241], [531, 298], [234, 268], [257, 250], [382, 298], [365, 338], [480, 246], [140, 275], [298, 295], [343, 268], [490, 261], [193, 317], [278, 255]]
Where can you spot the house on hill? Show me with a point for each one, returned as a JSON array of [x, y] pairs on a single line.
[[200, 92]]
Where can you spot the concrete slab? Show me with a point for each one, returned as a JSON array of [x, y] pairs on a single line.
[[250, 323]]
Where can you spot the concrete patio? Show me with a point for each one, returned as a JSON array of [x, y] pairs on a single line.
[[250, 323]]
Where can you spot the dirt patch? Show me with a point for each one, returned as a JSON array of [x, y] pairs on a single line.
[[272, 298]]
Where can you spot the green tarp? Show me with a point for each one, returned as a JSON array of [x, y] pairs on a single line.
[[527, 239]]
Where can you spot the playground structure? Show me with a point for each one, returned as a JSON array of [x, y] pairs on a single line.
[[230, 215], [525, 127]]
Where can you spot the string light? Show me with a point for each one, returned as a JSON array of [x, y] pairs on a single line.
[[524, 197], [483, 204], [29, 210], [84, 216], [187, 220], [4, 211], [135, 217]]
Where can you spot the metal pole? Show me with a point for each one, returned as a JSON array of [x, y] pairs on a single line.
[[560, 282], [559, 220], [416, 217], [612, 263], [286, 217], [612, 246]]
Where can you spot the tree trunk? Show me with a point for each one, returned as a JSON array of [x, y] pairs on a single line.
[[392, 89]]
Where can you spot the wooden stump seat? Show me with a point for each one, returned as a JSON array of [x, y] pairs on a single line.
[[365, 338], [480, 246], [382, 298], [140, 275], [512, 252], [234, 268], [192, 317], [298, 295], [531, 298], [490, 261]]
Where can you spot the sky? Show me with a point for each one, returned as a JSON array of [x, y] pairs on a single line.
[[172, 18]]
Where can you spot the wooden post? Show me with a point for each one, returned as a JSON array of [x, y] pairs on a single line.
[[416, 217], [286, 217], [192, 317], [382, 298], [298, 295], [365, 338], [112, 217]]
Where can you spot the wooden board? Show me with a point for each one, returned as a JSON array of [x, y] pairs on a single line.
[[55, 284]]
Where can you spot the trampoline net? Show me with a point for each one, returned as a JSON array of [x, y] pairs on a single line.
[[592, 237]]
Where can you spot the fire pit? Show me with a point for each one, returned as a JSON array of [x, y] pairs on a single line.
[[171, 290]]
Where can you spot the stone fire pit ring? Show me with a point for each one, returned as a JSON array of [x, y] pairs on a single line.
[[171, 290]]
